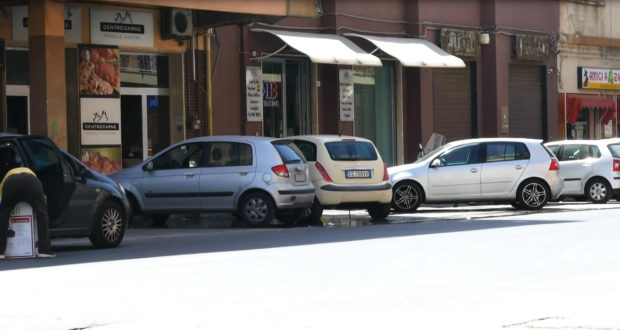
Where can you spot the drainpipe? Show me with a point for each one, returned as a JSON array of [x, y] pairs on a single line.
[[209, 86]]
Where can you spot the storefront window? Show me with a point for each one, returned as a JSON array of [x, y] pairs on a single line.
[[17, 68], [144, 71], [374, 108]]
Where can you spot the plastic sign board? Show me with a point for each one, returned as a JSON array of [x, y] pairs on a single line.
[[22, 233], [592, 78]]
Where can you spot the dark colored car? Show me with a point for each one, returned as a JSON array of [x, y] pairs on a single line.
[[80, 202]]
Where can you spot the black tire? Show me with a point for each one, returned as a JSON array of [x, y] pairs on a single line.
[[257, 209], [406, 196], [292, 217], [532, 195], [159, 220], [314, 213], [515, 204], [379, 212], [598, 191], [109, 226]]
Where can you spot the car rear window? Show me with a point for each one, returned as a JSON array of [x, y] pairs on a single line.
[[615, 150], [351, 150], [289, 152]]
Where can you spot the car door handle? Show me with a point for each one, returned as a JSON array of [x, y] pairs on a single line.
[[189, 174], [474, 170], [518, 167], [243, 172]]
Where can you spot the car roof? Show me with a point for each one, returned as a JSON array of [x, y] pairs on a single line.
[[327, 137], [597, 142], [495, 139], [244, 138]]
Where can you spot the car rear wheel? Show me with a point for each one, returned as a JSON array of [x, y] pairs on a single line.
[[257, 209], [380, 211], [598, 191], [314, 213], [109, 226], [532, 195], [406, 196], [292, 217], [515, 204]]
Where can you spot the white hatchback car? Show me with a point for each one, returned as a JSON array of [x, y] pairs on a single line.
[[347, 173], [520, 171], [589, 168]]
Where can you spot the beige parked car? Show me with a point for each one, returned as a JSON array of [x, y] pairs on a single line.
[[347, 173]]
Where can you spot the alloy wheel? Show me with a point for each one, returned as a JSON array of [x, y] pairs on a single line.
[[406, 197], [111, 224], [534, 194]]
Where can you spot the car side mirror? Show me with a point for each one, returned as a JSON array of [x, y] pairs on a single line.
[[436, 163], [148, 166]]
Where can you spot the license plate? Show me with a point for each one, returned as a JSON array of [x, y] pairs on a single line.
[[356, 174], [300, 177]]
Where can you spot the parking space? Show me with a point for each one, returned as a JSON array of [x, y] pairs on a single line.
[[427, 212]]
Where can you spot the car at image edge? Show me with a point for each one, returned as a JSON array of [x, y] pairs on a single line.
[[589, 168], [522, 172], [255, 178], [80, 201]]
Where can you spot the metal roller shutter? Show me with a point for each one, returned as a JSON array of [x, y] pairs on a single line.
[[526, 102], [452, 114]]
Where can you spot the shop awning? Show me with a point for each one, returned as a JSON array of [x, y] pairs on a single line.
[[326, 48], [413, 51], [576, 103]]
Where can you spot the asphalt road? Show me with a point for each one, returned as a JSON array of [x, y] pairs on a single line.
[[470, 267]]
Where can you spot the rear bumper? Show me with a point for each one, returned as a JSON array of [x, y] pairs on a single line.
[[333, 195], [291, 197]]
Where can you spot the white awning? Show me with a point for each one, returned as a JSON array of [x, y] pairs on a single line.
[[413, 51], [326, 48]]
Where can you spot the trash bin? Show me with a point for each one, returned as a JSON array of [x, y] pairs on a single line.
[[22, 233]]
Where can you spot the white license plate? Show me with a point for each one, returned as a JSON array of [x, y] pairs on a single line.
[[300, 177], [355, 174]]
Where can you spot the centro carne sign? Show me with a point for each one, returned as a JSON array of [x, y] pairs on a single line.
[[592, 78]]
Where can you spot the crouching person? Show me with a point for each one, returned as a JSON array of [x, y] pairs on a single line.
[[20, 184]]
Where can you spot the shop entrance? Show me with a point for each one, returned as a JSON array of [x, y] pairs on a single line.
[[17, 114], [285, 98], [145, 123]]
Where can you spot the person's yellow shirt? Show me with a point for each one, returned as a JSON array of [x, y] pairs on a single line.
[[16, 170]]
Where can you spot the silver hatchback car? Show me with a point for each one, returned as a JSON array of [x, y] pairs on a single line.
[[256, 178], [520, 171], [589, 168]]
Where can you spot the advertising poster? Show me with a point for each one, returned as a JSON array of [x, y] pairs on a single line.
[[103, 159], [99, 71], [100, 107], [346, 95], [254, 93]]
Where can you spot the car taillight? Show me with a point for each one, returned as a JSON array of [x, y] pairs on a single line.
[[323, 172], [555, 165], [616, 165], [386, 177], [280, 170]]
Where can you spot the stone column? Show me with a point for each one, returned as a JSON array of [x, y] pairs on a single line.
[[48, 94]]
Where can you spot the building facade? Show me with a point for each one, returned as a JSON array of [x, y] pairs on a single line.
[[588, 68], [394, 71]]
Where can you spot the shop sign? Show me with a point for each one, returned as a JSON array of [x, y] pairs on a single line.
[[529, 47], [591, 78], [347, 95], [100, 121], [127, 28], [460, 43], [73, 23], [253, 93]]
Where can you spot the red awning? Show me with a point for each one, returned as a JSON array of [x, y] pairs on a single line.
[[575, 103]]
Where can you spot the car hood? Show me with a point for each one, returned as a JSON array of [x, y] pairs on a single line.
[[409, 170], [131, 172]]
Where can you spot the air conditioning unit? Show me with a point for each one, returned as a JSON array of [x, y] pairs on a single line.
[[176, 23]]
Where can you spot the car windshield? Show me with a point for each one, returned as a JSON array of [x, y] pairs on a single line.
[[289, 152], [433, 153], [351, 150], [615, 150]]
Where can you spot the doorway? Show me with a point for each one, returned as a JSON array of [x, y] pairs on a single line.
[[145, 123], [17, 114], [285, 98]]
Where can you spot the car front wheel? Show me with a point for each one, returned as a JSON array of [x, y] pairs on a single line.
[[532, 195], [406, 196], [598, 191], [257, 209], [109, 226]]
